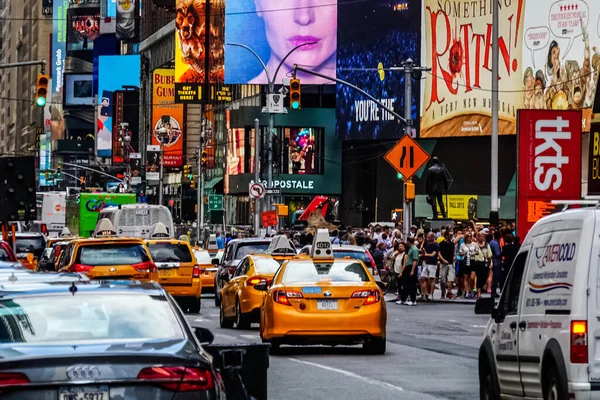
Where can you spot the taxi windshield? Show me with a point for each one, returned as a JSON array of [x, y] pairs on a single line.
[[113, 254], [33, 245], [170, 252], [266, 265], [357, 255], [337, 271]]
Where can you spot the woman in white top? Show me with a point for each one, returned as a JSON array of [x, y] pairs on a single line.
[[399, 262], [468, 250]]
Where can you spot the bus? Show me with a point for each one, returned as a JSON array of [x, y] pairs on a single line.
[[83, 210]]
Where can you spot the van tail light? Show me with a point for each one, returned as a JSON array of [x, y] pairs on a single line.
[[144, 267], [255, 280], [370, 296], [579, 342], [44, 230], [180, 379], [373, 265], [81, 268], [197, 271], [13, 379], [283, 296]]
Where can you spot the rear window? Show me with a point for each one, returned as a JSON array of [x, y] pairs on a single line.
[[244, 249], [203, 257], [357, 255], [43, 319], [266, 265], [35, 245], [338, 271], [113, 254], [169, 252], [144, 216]]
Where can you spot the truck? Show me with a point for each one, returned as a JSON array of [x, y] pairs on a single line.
[[83, 210], [51, 211]]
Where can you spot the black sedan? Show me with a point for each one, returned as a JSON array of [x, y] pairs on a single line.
[[102, 341]]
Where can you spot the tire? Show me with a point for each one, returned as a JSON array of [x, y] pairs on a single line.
[[275, 347], [217, 295], [241, 320], [553, 387], [224, 323], [375, 346], [183, 303], [194, 305], [488, 389]]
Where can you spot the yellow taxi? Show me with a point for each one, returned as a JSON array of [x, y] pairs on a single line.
[[106, 256], [207, 270], [323, 300], [240, 301], [178, 271], [29, 248]]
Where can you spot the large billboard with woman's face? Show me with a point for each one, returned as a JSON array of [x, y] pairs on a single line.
[[272, 28]]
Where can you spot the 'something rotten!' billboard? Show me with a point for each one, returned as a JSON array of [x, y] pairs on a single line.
[[457, 92], [373, 34]]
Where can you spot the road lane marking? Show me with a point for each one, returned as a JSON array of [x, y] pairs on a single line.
[[230, 337], [253, 337], [348, 374]]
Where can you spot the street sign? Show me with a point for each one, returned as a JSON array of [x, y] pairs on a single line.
[[275, 104], [256, 191], [269, 218], [407, 156], [215, 202], [272, 191]]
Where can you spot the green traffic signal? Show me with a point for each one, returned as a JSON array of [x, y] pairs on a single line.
[[190, 176], [40, 101], [295, 105]]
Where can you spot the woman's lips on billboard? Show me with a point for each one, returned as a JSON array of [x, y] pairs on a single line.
[[309, 42]]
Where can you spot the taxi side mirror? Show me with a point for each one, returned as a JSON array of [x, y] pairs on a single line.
[[484, 306], [203, 335], [215, 261], [382, 285], [263, 286]]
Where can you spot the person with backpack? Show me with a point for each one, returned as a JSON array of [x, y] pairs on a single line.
[[482, 262]]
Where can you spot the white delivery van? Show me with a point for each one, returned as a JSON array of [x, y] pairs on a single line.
[[543, 340], [52, 214], [138, 220]]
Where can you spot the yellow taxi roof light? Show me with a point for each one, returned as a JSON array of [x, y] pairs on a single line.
[[280, 245], [159, 231], [65, 232], [104, 228], [321, 246]]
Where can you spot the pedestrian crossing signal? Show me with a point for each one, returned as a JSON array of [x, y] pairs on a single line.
[[41, 90], [295, 94]]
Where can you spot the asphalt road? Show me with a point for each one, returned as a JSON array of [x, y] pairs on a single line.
[[431, 354]]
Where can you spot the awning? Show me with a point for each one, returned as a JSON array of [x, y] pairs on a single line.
[[209, 185]]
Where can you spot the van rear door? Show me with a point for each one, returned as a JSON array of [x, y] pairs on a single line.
[[593, 319]]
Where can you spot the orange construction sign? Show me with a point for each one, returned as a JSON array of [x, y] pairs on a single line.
[[407, 156]]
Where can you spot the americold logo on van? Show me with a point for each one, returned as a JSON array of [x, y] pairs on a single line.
[[555, 253]]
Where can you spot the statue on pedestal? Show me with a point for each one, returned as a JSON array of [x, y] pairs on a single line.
[[436, 185]]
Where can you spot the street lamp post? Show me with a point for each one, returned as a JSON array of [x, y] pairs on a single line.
[[271, 81], [162, 132]]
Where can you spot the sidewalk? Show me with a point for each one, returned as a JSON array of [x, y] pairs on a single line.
[[390, 297]]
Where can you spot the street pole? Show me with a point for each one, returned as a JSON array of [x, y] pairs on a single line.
[[494, 156], [198, 195], [160, 177], [256, 175], [201, 176], [408, 69]]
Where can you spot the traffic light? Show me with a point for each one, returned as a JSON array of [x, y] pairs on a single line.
[[409, 190], [193, 182], [295, 95], [41, 90], [187, 171], [58, 174], [204, 160]]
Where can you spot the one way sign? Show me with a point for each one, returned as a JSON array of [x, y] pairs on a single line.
[[407, 156]]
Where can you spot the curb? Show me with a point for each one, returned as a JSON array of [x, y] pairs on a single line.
[[440, 301]]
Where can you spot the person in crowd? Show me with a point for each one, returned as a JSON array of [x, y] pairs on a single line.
[[447, 269], [351, 239], [518, 242], [397, 229], [496, 262], [431, 249], [409, 274], [334, 237], [413, 231], [458, 240], [509, 253], [220, 241], [482, 262], [379, 255], [399, 262], [467, 251]]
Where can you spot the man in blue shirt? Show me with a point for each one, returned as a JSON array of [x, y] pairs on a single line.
[[220, 241], [496, 262]]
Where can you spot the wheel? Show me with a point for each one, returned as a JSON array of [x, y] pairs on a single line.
[[241, 320], [375, 345], [487, 385], [183, 303], [224, 322], [194, 305], [552, 386], [275, 347]]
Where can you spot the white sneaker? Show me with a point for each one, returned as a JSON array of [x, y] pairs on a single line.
[[408, 303], [399, 302], [413, 304]]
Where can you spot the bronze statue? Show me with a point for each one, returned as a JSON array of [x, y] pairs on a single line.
[[436, 185]]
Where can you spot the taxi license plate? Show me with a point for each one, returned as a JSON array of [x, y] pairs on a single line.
[[84, 393], [166, 272], [327, 305]]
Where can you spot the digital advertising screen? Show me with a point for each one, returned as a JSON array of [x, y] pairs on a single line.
[[373, 36], [272, 29]]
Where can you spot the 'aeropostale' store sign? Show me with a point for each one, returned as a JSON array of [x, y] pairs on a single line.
[[289, 184]]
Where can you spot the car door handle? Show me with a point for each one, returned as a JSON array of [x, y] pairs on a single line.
[[513, 325], [523, 325]]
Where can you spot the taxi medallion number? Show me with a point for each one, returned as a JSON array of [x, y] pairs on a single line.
[[84, 393], [327, 305]]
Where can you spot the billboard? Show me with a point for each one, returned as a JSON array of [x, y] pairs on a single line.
[[152, 163], [168, 116], [560, 56], [457, 46], [272, 29], [191, 63], [128, 68], [549, 162], [594, 161], [83, 29], [127, 25], [59, 43], [78, 90], [376, 35]]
